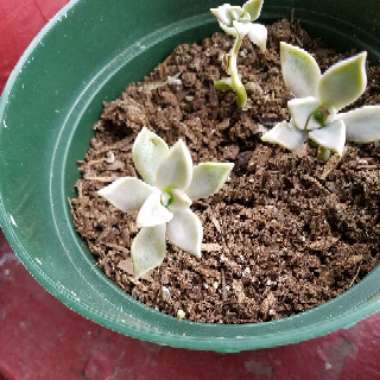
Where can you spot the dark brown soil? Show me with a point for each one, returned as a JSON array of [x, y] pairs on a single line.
[[286, 234]]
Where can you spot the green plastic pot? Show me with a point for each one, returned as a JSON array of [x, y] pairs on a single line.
[[88, 53]]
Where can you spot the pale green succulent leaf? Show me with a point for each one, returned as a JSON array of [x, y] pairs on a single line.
[[238, 88], [148, 249], [344, 82], [230, 84], [208, 178], [363, 124], [301, 110], [241, 96], [176, 169], [332, 137], [240, 91], [179, 200], [300, 71], [236, 83], [286, 135], [224, 84], [227, 13], [186, 232], [253, 8], [126, 193], [230, 30], [222, 14], [152, 212], [257, 33], [148, 152]]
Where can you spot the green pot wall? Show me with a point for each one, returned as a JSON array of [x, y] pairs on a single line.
[[87, 54]]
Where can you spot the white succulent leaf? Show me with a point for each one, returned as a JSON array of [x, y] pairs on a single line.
[[175, 170], [237, 13], [344, 82], [186, 232], [222, 14], [208, 178], [301, 110], [148, 249], [230, 30], [227, 13], [363, 124], [126, 193], [332, 137], [257, 33], [148, 151], [179, 200], [153, 213], [242, 27], [286, 135], [300, 71], [253, 8]]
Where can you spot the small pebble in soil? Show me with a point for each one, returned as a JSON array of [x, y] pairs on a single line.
[[181, 314]]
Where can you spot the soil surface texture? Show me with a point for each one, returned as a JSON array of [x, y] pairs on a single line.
[[285, 234]]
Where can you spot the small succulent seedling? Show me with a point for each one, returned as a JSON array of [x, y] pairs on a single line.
[[163, 199], [239, 22], [315, 113]]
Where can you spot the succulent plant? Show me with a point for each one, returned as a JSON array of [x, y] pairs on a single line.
[[239, 22], [315, 113], [163, 198]]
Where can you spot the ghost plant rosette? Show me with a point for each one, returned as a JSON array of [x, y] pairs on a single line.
[[239, 22], [163, 199], [319, 98]]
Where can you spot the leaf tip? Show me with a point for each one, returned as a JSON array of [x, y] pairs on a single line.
[[148, 250], [253, 8], [285, 48], [101, 192], [361, 60], [198, 253], [344, 82], [228, 167], [300, 70], [181, 144], [362, 57], [284, 45], [148, 151], [214, 11]]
